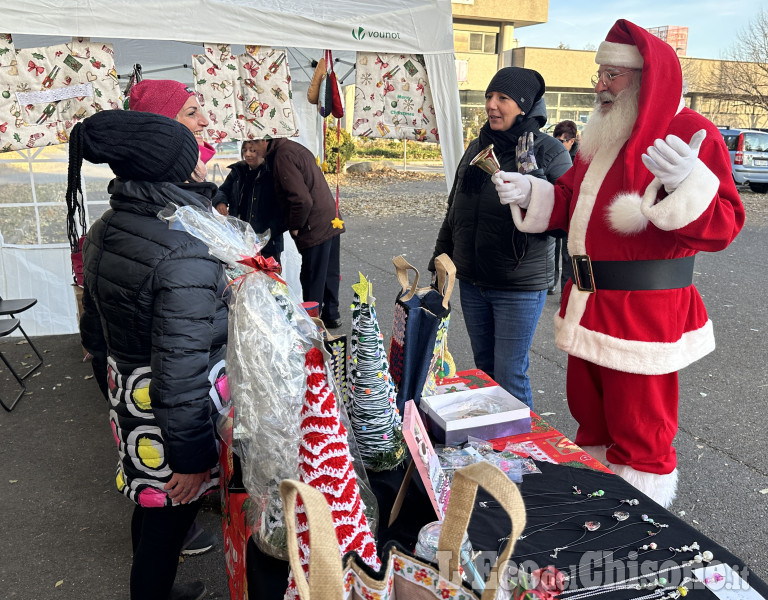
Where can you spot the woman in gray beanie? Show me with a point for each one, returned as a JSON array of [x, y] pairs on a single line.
[[153, 305], [503, 273]]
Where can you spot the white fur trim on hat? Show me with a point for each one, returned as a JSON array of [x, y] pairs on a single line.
[[619, 55]]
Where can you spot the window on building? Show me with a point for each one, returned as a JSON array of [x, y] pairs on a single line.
[[474, 41]]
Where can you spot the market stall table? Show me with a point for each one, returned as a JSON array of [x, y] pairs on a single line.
[[598, 538]]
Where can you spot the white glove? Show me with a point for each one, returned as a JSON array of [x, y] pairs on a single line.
[[671, 160], [513, 188]]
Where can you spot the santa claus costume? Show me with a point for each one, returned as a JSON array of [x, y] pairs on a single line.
[[642, 320]]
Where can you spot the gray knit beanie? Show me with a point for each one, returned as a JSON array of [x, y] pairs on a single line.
[[524, 86]]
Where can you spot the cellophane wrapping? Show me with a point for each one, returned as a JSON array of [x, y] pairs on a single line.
[[269, 334]]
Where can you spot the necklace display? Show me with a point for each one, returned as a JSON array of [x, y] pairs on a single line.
[[590, 526], [654, 580], [644, 549], [644, 520], [619, 515]]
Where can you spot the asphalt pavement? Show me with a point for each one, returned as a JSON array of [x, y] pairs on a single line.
[[65, 529]]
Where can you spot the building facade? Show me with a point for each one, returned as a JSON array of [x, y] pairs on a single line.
[[484, 41]]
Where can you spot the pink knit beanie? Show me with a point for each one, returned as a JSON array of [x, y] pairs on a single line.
[[159, 96]]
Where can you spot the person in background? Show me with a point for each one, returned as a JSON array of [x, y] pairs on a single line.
[[309, 210], [153, 303], [248, 193], [651, 187], [503, 273], [567, 133]]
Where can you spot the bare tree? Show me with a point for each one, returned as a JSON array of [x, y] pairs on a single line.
[[740, 80]]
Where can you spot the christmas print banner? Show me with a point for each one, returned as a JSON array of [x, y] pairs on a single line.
[[393, 99], [45, 91], [246, 96]]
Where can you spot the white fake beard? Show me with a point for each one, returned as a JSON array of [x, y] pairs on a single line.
[[611, 128]]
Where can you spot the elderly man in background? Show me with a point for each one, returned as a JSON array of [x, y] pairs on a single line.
[[651, 187]]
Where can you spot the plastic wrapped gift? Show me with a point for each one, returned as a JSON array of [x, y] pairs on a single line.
[[269, 335]]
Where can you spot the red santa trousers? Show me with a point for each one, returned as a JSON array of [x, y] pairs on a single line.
[[635, 416]]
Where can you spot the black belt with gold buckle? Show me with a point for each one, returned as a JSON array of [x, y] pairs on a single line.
[[631, 275]]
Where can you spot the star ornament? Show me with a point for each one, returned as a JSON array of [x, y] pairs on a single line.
[[337, 223], [362, 288]]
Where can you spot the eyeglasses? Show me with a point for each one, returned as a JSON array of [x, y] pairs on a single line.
[[607, 77]]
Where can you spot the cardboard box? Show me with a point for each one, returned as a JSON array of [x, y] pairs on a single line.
[[514, 416]]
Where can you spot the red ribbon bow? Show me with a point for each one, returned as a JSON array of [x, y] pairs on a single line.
[[259, 263], [33, 67]]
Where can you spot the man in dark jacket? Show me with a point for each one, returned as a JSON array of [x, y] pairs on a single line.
[[312, 218]]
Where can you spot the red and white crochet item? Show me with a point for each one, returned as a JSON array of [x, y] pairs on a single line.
[[325, 463]]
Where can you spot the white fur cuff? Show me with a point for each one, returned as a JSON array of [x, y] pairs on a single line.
[[539, 210], [686, 204]]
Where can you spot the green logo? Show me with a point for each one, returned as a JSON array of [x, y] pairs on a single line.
[[360, 33]]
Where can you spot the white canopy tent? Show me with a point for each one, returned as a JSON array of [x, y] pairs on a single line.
[[157, 36]]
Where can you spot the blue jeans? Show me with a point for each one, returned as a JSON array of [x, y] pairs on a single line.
[[500, 324]]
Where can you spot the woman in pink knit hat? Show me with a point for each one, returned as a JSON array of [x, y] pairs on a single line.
[[176, 101]]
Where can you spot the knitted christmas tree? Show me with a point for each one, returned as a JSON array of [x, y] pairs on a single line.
[[373, 413], [325, 463]]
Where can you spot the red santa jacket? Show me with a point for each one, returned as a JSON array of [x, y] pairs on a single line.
[[648, 331]]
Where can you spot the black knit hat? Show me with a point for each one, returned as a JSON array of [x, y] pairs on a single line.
[[138, 145], [524, 86]]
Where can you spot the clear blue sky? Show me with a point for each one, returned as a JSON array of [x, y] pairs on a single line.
[[712, 25]]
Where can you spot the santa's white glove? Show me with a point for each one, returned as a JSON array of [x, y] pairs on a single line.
[[671, 160], [513, 188]]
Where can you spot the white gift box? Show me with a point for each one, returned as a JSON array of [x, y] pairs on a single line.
[[512, 416]]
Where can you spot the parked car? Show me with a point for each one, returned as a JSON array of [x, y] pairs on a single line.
[[749, 157]]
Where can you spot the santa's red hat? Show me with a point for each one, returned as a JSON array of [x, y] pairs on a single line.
[[661, 90]]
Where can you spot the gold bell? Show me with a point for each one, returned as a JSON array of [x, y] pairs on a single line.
[[487, 161]]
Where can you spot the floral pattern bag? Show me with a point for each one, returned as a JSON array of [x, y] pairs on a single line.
[[245, 96], [45, 91], [393, 98], [402, 575]]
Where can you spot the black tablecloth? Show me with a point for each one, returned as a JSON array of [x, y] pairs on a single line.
[[555, 518]]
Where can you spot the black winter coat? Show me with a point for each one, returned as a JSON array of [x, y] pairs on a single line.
[[153, 302], [262, 210], [478, 232]]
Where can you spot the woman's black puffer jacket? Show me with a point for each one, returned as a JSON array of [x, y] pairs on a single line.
[[478, 232], [153, 302]]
